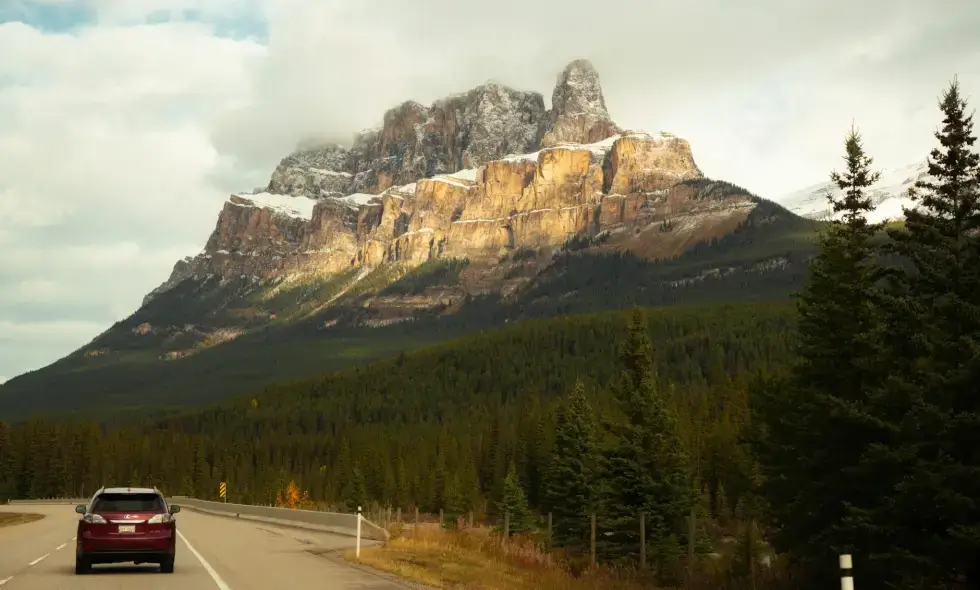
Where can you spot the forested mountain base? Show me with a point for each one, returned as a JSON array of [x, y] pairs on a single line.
[[135, 366]]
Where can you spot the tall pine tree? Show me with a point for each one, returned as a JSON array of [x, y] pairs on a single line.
[[571, 477], [817, 422], [645, 468], [929, 525]]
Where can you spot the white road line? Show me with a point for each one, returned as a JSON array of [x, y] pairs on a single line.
[[73, 539], [5, 580], [60, 547], [207, 566], [38, 560]]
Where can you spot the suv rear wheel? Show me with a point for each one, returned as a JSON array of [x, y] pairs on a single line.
[[167, 567], [82, 566]]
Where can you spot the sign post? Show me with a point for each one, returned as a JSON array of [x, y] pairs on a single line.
[[846, 572], [358, 550], [223, 491]]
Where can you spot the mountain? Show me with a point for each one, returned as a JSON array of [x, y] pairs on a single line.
[[888, 196], [480, 209]]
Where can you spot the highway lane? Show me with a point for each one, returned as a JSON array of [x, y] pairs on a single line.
[[213, 553]]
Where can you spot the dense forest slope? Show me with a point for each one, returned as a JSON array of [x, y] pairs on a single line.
[[436, 427]]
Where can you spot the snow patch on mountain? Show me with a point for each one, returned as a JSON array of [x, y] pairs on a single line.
[[297, 207], [889, 196]]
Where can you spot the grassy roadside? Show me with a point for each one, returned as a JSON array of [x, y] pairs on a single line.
[[475, 560], [12, 518]]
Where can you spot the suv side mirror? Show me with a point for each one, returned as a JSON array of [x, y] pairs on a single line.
[[174, 509], [80, 509]]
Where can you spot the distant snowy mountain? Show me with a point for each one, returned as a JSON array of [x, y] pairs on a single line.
[[889, 195]]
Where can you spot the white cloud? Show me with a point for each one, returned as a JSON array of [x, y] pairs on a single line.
[[107, 172], [119, 140]]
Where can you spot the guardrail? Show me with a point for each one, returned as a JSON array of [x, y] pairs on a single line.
[[332, 522]]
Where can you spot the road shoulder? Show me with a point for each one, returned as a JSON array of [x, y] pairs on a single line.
[[9, 519]]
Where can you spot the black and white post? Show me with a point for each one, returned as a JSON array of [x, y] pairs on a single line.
[[846, 573], [357, 551]]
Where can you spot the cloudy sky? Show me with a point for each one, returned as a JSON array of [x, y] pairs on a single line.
[[125, 123]]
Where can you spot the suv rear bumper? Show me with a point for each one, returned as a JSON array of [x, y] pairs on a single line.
[[125, 556], [119, 549]]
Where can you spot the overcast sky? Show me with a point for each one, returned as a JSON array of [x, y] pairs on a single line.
[[125, 123]]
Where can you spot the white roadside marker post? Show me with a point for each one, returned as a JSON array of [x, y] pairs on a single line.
[[846, 575], [357, 552]]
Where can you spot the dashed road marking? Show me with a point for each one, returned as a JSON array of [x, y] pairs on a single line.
[[207, 566], [5, 580], [38, 560], [60, 547]]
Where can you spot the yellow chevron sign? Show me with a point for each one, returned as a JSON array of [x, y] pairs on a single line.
[[223, 490]]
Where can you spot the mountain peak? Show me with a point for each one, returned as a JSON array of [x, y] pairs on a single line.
[[578, 90], [578, 108]]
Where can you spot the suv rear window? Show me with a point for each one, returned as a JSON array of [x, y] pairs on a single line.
[[128, 503]]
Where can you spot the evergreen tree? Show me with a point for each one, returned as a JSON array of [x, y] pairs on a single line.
[[818, 421], [354, 492], [929, 523], [513, 502], [571, 478], [645, 467]]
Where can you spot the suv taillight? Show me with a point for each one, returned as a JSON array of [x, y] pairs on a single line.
[[93, 519], [160, 519]]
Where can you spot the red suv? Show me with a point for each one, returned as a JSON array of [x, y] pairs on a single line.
[[121, 525]]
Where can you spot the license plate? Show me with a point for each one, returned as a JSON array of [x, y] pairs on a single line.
[[127, 528]]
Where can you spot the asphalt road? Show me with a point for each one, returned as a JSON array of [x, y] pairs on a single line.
[[213, 552]]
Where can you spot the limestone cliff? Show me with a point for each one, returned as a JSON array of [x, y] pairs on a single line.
[[475, 176]]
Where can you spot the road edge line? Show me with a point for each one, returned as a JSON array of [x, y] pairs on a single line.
[[207, 566]]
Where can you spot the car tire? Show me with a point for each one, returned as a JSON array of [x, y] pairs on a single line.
[[82, 566], [167, 566]]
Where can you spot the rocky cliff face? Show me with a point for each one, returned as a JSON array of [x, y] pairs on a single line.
[[415, 141], [477, 175]]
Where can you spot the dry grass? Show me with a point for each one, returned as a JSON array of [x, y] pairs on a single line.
[[476, 560], [12, 518]]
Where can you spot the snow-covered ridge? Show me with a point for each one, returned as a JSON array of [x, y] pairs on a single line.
[[599, 148], [302, 206], [888, 196]]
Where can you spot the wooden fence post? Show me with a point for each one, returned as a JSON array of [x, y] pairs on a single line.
[[592, 550], [690, 548], [441, 519], [643, 540], [506, 525], [399, 515], [550, 532], [471, 519], [416, 516]]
